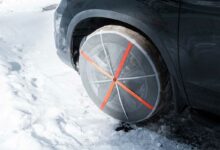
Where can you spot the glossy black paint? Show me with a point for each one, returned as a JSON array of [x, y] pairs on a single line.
[[200, 53], [158, 20]]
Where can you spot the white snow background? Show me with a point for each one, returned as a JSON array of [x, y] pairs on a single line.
[[43, 105]]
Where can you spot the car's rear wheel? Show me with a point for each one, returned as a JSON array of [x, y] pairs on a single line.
[[124, 74]]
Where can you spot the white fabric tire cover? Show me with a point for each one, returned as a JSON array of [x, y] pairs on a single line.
[[133, 95]]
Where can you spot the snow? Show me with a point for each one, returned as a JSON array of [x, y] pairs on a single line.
[[42, 101], [24, 5]]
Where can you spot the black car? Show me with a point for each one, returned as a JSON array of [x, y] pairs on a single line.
[[136, 57]]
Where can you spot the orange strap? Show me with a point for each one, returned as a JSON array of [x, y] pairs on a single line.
[[117, 74], [135, 95], [95, 65], [123, 60], [108, 95], [114, 79]]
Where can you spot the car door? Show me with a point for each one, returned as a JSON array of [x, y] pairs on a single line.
[[199, 52]]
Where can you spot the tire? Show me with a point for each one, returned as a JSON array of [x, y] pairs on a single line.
[[124, 74]]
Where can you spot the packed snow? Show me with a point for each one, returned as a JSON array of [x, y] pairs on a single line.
[[44, 105]]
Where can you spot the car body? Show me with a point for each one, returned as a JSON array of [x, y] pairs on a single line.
[[186, 33]]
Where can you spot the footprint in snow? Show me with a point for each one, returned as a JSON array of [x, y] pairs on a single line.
[[34, 97], [18, 48], [33, 82], [14, 66], [2, 40]]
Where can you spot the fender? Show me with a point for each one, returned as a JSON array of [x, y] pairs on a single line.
[[165, 43], [147, 29]]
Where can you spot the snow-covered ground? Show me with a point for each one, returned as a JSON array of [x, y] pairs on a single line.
[[44, 105], [24, 5]]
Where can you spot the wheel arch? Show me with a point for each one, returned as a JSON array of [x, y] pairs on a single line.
[[118, 19], [146, 30]]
